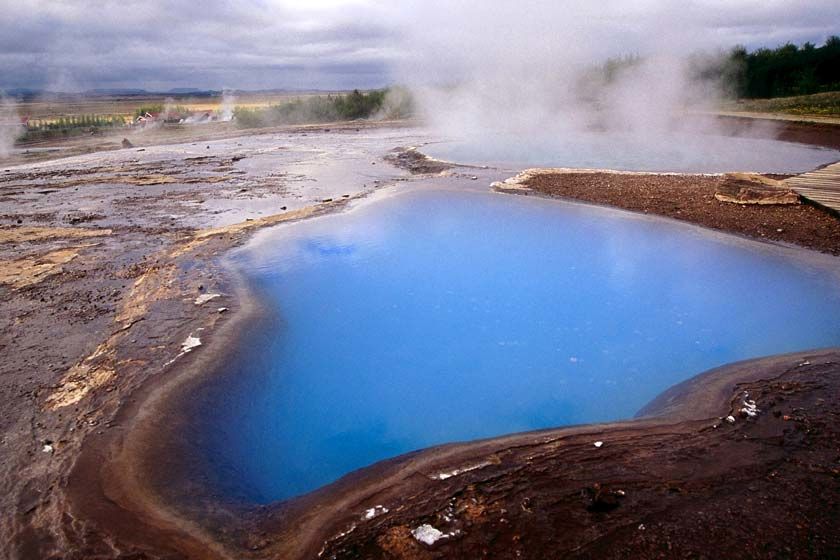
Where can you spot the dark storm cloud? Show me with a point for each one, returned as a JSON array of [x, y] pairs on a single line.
[[159, 44], [155, 44]]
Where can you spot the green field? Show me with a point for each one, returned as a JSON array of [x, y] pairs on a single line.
[[817, 105]]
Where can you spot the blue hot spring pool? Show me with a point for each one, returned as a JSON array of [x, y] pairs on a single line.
[[696, 153], [435, 316]]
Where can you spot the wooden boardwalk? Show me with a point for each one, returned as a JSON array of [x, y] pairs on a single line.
[[821, 186]]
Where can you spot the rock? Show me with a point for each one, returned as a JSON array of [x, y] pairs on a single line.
[[82, 217], [602, 500], [375, 511], [204, 298], [190, 343], [427, 534], [749, 188], [415, 162], [126, 143]]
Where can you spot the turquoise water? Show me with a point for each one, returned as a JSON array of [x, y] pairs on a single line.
[[694, 153], [437, 316]]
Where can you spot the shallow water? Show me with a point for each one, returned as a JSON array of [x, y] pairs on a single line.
[[679, 153], [435, 316]]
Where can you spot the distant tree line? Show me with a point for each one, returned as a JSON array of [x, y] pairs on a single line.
[[74, 122], [385, 103], [171, 111], [72, 125], [787, 70], [613, 67]]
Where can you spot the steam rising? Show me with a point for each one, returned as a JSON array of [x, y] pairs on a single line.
[[513, 77], [10, 127], [228, 106]]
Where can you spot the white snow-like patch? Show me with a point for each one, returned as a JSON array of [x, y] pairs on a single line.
[[375, 511], [336, 537], [730, 419], [47, 448], [222, 309], [429, 535], [749, 407], [204, 298], [456, 472], [598, 444], [347, 532], [189, 344]]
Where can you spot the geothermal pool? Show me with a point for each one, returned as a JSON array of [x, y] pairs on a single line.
[[696, 153], [435, 315]]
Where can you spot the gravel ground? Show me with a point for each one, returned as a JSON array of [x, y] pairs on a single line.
[[691, 198]]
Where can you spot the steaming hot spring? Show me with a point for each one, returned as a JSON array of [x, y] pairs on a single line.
[[443, 312]]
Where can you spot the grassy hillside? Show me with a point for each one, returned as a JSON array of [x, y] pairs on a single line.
[[818, 105]]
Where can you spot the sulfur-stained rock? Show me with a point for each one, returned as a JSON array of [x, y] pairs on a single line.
[[749, 188]]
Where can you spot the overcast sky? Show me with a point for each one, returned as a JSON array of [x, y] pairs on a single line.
[[76, 45]]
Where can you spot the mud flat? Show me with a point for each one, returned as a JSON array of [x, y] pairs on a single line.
[[112, 317]]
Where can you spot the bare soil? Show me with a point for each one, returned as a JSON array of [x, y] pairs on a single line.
[[691, 198]]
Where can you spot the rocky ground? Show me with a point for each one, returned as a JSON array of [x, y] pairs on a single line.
[[104, 260], [690, 198], [751, 472], [109, 278]]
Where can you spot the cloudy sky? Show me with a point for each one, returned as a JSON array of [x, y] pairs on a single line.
[[74, 45]]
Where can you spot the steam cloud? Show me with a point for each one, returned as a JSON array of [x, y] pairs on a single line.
[[522, 75], [10, 128], [228, 106]]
